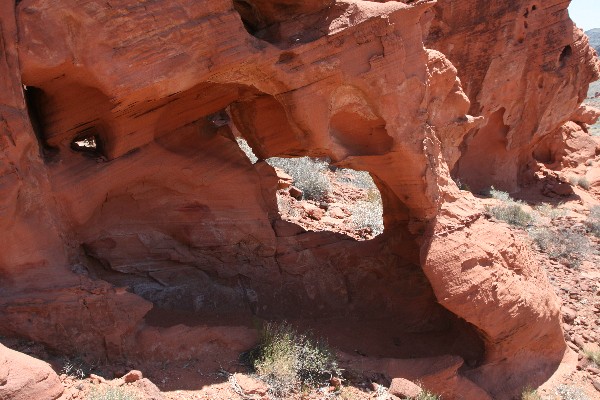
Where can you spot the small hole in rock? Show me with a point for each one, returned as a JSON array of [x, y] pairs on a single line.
[[565, 55], [88, 142], [250, 16]]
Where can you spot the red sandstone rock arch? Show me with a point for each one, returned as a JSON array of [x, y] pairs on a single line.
[[179, 217]]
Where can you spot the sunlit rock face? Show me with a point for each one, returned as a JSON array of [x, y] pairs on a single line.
[[525, 67], [123, 189]]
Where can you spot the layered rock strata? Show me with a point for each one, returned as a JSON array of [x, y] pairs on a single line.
[[123, 188]]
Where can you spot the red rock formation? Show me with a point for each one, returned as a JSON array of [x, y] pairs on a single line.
[[25, 378], [125, 188], [525, 67]]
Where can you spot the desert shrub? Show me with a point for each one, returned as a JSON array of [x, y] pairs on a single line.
[[426, 395], [112, 393], [567, 392], [593, 355], [530, 394], [287, 360], [310, 175], [567, 246], [512, 214], [358, 179], [368, 213], [583, 183], [75, 368], [573, 180], [549, 211], [247, 150], [593, 221], [500, 195], [510, 210]]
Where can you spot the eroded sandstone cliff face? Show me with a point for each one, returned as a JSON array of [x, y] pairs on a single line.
[[123, 188], [525, 67]]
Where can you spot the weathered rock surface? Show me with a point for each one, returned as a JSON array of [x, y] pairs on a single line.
[[526, 70], [404, 388], [123, 187], [24, 378]]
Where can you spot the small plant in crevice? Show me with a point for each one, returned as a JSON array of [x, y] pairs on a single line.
[[510, 210], [112, 393], [565, 245], [74, 368], [287, 360], [530, 394]]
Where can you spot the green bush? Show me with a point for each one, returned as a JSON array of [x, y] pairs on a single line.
[[287, 360], [567, 246], [510, 210], [500, 195], [113, 393], [310, 175], [512, 214]]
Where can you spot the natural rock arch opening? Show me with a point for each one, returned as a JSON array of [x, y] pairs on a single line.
[[489, 143], [177, 206], [88, 142], [202, 257], [317, 196]]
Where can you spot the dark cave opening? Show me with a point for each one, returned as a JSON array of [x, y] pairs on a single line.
[[565, 55], [251, 17], [34, 100]]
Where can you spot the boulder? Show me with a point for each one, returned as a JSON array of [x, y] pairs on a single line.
[[404, 388], [25, 378]]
